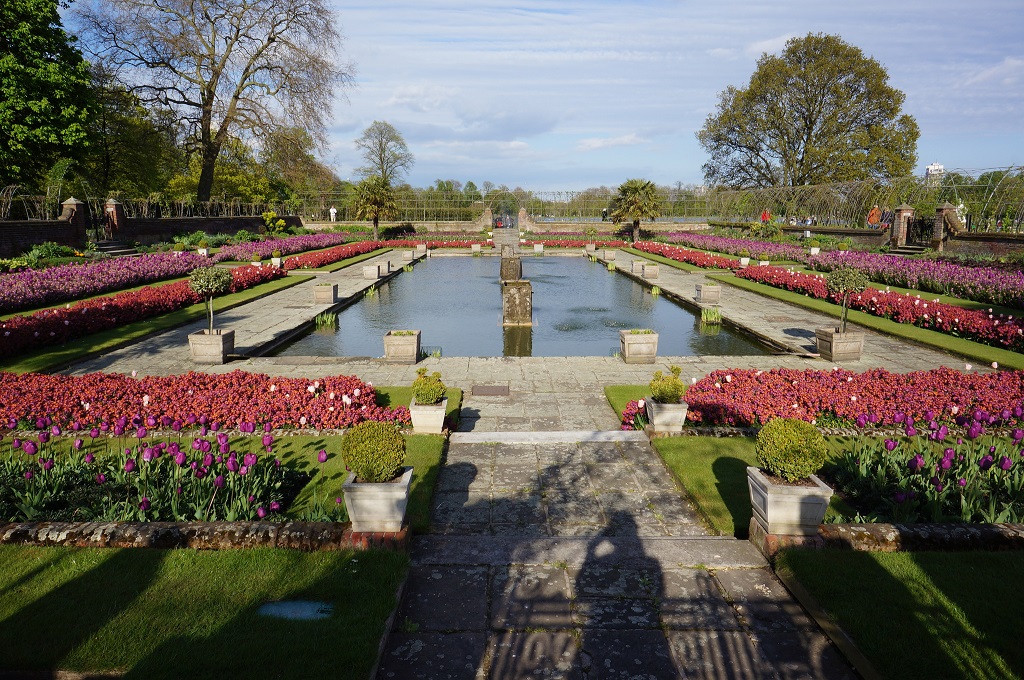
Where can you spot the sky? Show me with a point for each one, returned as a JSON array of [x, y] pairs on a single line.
[[560, 96]]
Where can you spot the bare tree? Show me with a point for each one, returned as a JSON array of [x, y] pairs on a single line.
[[225, 67], [384, 151]]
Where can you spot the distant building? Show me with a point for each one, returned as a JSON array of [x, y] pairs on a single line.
[[933, 174]]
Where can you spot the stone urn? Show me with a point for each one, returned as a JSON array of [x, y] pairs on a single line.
[[789, 509], [708, 293], [836, 346], [651, 270], [377, 506], [402, 347], [205, 252], [665, 417], [257, 263], [638, 348], [207, 348], [476, 248], [325, 293], [763, 263], [421, 248], [428, 418]]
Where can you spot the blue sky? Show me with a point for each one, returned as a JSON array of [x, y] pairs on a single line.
[[568, 95]]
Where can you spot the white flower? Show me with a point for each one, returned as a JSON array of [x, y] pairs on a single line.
[[967, 367], [641, 403], [345, 399], [331, 395], [853, 397], [85, 406], [302, 420], [316, 384], [728, 378], [794, 406], [145, 400], [995, 364], [356, 392], [693, 381], [954, 409], [134, 373], [311, 389], [273, 388], [718, 385]]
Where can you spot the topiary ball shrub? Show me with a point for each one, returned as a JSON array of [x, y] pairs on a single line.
[[373, 450], [667, 389], [789, 448], [428, 389]]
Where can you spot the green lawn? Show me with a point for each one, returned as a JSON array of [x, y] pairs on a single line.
[[620, 395], [184, 613], [922, 615], [942, 341]]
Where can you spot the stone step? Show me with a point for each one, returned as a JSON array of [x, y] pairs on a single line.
[[715, 552], [560, 437]]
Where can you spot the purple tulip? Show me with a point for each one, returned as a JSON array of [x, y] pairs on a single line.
[[101, 478], [30, 448], [962, 482], [225, 448], [200, 472], [44, 437], [48, 464], [916, 463], [910, 431], [274, 506], [104, 426], [28, 474], [180, 458], [243, 471], [1005, 463], [94, 432], [890, 444], [118, 430], [89, 458], [249, 459], [141, 433], [144, 504], [218, 481], [147, 454], [338, 500], [222, 439], [900, 497], [986, 462], [129, 465], [1018, 435], [261, 512], [16, 443], [205, 446], [266, 427], [55, 430], [78, 444], [899, 417], [151, 421], [268, 439], [208, 460], [322, 456], [252, 499], [232, 465]]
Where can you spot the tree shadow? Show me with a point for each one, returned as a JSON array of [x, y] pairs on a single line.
[[731, 483]]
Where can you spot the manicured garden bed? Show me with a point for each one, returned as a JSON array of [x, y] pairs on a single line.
[[921, 615], [182, 613]]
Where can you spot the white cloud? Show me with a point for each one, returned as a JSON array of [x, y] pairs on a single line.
[[421, 98], [1007, 72], [769, 45], [594, 143]]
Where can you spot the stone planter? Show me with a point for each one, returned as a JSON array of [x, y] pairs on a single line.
[[377, 506], [476, 248], [763, 263], [211, 349], [402, 349], [744, 261], [709, 293], [609, 255], [637, 267], [538, 247], [814, 251], [325, 293], [421, 248], [205, 252], [591, 248], [638, 348], [257, 263], [407, 255], [836, 346], [666, 417], [428, 418], [785, 508], [651, 271], [371, 272], [277, 261]]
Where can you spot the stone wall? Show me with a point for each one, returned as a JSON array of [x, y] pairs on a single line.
[[994, 244], [17, 237], [149, 230]]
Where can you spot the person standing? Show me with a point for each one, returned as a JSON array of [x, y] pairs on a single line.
[[334, 213], [874, 217]]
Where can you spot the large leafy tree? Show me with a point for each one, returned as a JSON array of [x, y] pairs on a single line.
[[288, 154], [45, 104], [375, 200], [226, 68], [636, 200], [820, 112], [385, 152]]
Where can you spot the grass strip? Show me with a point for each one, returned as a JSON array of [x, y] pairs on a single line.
[[949, 343], [198, 610], [619, 396], [48, 358], [921, 615]]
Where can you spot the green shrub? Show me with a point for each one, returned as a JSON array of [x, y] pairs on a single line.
[[204, 244], [51, 250], [179, 247], [428, 389], [276, 253], [744, 253], [373, 450], [245, 236], [789, 448], [766, 231], [814, 243], [845, 281], [842, 245], [210, 281], [667, 389]]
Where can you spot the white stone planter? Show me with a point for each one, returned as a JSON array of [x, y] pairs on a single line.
[[814, 251], [591, 248], [325, 294], [787, 509], [709, 293], [421, 248], [609, 255], [257, 263], [428, 418], [476, 248], [637, 267], [666, 417], [402, 349], [836, 346], [538, 247], [371, 272], [763, 263], [277, 261], [651, 270], [638, 348], [377, 506], [744, 261], [205, 252], [407, 255], [211, 349]]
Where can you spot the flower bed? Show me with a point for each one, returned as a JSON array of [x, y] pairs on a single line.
[[982, 284], [62, 324], [288, 246], [325, 257], [35, 288], [742, 397], [433, 243], [678, 254], [996, 330], [109, 401], [733, 246], [576, 243]]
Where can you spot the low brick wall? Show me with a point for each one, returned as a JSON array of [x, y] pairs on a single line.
[[149, 230], [895, 537], [306, 536], [19, 236], [986, 243]]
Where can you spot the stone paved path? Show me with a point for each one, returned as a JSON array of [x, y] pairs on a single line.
[[576, 555]]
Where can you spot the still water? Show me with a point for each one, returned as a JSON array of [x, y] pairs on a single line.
[[578, 309]]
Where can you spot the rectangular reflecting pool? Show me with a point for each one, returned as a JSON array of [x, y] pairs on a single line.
[[578, 309]]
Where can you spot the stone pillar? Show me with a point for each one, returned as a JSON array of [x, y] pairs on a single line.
[[114, 217], [487, 219], [511, 266], [518, 341], [516, 303], [901, 227], [523, 220], [939, 228], [76, 213]]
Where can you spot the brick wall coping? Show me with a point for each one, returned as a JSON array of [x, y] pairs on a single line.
[[305, 536]]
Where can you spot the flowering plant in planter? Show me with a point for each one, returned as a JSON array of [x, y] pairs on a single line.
[[667, 389], [210, 281], [428, 389]]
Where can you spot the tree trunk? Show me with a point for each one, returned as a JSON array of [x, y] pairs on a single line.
[[636, 230], [375, 220], [210, 153]]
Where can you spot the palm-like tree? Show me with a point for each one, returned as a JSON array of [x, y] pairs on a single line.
[[375, 200], [637, 200]]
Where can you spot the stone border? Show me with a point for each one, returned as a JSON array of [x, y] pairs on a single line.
[[305, 536], [894, 537]]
